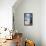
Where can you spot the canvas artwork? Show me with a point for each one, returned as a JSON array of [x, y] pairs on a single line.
[[28, 19]]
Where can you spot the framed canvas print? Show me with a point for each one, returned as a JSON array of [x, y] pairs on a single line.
[[28, 19]]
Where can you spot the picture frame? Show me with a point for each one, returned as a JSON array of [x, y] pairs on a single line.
[[28, 19]]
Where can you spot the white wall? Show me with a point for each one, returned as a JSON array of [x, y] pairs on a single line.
[[30, 32], [43, 22], [6, 13]]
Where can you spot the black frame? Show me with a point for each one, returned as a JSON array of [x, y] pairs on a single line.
[[28, 19]]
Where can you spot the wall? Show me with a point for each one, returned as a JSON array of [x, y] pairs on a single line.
[[6, 13], [29, 32], [43, 22]]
